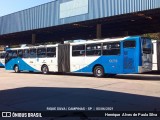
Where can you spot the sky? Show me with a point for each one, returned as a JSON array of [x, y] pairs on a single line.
[[11, 6]]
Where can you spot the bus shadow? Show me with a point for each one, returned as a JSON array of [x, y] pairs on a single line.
[[138, 77], [144, 76], [58, 73], [41, 98], [153, 72]]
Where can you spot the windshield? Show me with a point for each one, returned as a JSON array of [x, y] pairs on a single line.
[[146, 45]]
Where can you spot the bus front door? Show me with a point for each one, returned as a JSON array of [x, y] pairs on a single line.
[[129, 58]]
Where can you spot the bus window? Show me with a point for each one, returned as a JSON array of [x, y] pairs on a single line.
[[8, 56], [93, 50], [111, 48], [78, 50], [41, 52], [14, 53], [146, 46], [20, 53], [129, 44], [51, 52], [26, 53], [2, 55], [33, 53]]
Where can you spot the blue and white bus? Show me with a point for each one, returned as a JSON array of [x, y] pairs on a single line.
[[2, 58], [100, 57]]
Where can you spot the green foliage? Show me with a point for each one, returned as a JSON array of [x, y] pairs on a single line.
[[155, 36]]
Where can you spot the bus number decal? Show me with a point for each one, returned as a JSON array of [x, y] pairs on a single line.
[[113, 60]]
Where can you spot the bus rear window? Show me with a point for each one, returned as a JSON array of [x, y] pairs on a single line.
[[129, 44]]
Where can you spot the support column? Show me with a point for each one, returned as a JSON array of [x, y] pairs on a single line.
[[99, 31], [33, 39], [126, 33], [158, 55], [62, 41]]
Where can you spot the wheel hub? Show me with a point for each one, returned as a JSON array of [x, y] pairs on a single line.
[[99, 72]]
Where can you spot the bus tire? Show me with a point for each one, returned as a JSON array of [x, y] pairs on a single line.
[[16, 69], [98, 71], [45, 69]]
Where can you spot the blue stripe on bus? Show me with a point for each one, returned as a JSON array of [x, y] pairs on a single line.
[[21, 64], [111, 64]]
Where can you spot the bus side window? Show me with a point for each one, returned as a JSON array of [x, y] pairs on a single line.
[[129, 44], [14, 53], [111, 48], [51, 52], [33, 53], [20, 53], [26, 53], [9, 54], [93, 49], [78, 50], [41, 52]]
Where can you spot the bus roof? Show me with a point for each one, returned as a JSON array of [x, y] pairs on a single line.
[[77, 43], [32, 47], [102, 40]]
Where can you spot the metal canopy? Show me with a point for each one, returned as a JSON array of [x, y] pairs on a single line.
[[117, 17]]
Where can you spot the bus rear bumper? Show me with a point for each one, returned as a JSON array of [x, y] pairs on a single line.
[[142, 69]]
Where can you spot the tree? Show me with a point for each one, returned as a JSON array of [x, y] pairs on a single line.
[[155, 36]]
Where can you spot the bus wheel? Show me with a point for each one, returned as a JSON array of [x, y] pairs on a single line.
[[16, 69], [98, 71], [45, 69]]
